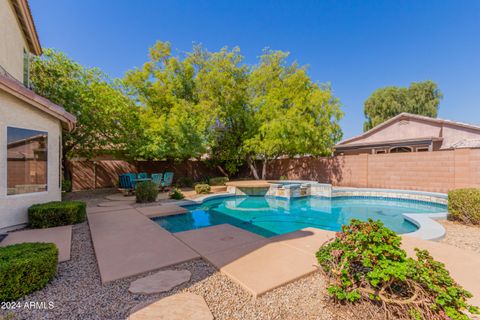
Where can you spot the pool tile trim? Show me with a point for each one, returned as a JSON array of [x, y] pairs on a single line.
[[428, 228]]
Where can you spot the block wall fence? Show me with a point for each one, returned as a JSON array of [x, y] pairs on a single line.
[[437, 171]]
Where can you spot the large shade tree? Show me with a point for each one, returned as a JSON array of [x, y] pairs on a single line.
[[194, 105], [176, 122], [213, 104], [421, 98], [107, 119], [292, 115]]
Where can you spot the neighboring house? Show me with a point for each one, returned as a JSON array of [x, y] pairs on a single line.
[[30, 125], [412, 133]]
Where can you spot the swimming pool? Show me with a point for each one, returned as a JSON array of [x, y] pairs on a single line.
[[271, 216]]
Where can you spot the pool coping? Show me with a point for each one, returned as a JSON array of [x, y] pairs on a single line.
[[428, 228]]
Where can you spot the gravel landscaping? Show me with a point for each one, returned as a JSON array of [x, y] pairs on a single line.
[[461, 235], [77, 292]]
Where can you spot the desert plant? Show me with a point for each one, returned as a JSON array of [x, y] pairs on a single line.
[[464, 205], [176, 194], [184, 182], [25, 268], [202, 188], [146, 191], [366, 263], [56, 213], [218, 181], [66, 185]]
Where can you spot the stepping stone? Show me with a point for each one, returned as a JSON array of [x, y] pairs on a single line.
[[160, 282], [182, 306]]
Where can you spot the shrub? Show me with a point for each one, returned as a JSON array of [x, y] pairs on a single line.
[[218, 181], [366, 263], [146, 191], [66, 185], [25, 268], [176, 194], [464, 205], [283, 178], [184, 182], [202, 188], [56, 213]]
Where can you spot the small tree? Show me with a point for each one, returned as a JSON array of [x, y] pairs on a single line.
[[421, 98], [291, 115]]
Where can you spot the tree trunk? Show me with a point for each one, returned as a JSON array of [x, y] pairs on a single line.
[[264, 169], [253, 169], [219, 167]]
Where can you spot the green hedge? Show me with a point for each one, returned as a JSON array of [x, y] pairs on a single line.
[[218, 181], [56, 213], [146, 192], [202, 188], [25, 268], [464, 205]]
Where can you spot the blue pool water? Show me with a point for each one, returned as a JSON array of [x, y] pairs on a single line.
[[268, 216]]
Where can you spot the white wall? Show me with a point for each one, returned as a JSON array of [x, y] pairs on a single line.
[[12, 41], [16, 113]]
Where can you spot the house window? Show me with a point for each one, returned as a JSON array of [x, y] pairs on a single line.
[[422, 149], [27, 160], [26, 68], [400, 149], [379, 151]]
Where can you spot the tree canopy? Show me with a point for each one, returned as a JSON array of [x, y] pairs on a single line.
[[212, 103], [106, 118], [291, 114], [421, 98], [199, 104]]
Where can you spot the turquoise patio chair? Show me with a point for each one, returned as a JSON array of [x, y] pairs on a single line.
[[142, 175], [157, 179], [130, 180], [167, 180], [121, 181]]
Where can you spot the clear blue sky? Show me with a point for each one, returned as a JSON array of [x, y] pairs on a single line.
[[357, 46]]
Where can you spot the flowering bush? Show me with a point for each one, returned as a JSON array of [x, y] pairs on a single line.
[[365, 262]]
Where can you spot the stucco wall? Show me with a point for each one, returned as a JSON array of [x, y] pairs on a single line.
[[404, 129], [16, 113], [414, 128], [453, 134], [12, 41]]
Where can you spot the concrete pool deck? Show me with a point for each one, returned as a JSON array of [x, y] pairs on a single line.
[[60, 236], [128, 243]]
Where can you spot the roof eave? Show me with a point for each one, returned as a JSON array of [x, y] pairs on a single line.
[[10, 86], [24, 15], [367, 145]]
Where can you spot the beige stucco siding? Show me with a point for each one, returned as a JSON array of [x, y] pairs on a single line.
[[454, 134], [12, 41], [402, 130], [16, 113]]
